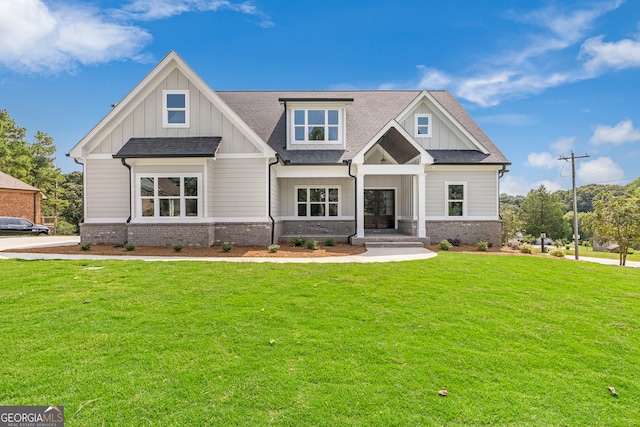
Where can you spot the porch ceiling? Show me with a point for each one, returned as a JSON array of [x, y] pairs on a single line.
[[397, 146]]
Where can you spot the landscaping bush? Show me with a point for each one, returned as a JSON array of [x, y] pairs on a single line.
[[454, 242], [299, 241], [526, 248], [330, 241], [129, 246], [482, 246], [85, 246], [630, 251], [177, 248], [312, 244], [273, 248], [557, 252], [226, 246], [445, 245]]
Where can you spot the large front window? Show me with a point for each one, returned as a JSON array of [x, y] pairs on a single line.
[[456, 199], [169, 196], [316, 126], [317, 201]]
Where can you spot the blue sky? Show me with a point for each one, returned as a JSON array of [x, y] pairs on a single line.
[[541, 78]]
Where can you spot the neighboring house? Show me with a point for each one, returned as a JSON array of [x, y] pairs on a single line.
[[177, 162], [19, 199]]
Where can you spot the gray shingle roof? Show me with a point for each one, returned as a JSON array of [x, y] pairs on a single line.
[[369, 112], [10, 183], [201, 146]]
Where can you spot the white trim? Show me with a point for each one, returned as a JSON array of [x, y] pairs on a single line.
[[166, 109], [239, 156], [291, 132], [120, 220], [240, 219], [100, 157], [417, 116], [464, 200], [178, 220], [314, 218], [391, 169], [299, 171], [425, 158], [463, 168]]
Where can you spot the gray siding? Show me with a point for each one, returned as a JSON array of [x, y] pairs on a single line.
[[146, 121], [288, 193], [482, 197], [239, 188], [442, 136], [107, 189]]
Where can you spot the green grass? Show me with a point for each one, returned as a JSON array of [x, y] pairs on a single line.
[[589, 252], [516, 340]]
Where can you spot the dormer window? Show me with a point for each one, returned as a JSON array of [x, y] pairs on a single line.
[[317, 125], [175, 111]]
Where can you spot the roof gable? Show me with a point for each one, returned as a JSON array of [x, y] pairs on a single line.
[[404, 147], [146, 86]]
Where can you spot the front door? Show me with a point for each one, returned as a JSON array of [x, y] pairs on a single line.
[[379, 209]]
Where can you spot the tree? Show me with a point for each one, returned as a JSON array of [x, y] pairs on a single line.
[[616, 219], [541, 212], [511, 222], [585, 196], [73, 193]]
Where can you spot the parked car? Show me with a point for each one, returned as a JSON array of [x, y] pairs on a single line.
[[13, 226]]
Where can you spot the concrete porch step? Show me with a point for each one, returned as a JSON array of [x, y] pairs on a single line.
[[393, 244]]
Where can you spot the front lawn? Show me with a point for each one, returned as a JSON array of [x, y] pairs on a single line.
[[516, 340]]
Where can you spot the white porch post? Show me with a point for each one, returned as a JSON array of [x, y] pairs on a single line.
[[360, 206], [422, 205]]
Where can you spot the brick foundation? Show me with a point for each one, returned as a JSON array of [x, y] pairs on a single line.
[[243, 234], [319, 230], [468, 232], [103, 233]]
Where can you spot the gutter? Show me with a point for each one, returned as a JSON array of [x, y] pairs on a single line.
[[355, 199], [273, 221], [124, 163]]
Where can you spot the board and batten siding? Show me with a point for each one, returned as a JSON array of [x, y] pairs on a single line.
[[238, 188], [107, 189], [482, 188], [288, 193], [145, 121], [403, 186], [442, 136]]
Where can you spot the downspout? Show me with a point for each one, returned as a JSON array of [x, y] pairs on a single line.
[[355, 200], [124, 163], [501, 173], [273, 221], [84, 202]]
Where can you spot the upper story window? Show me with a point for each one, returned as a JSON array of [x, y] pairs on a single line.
[[175, 111], [456, 198], [316, 126], [422, 128]]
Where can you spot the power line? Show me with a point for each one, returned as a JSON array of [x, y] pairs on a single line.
[[575, 198]]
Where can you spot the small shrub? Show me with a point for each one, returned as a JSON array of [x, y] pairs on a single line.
[[273, 248], [445, 245], [630, 251], [330, 241], [526, 248], [312, 244], [299, 241], [567, 246], [557, 252], [177, 248], [454, 242], [85, 246], [226, 246], [129, 246], [482, 246]]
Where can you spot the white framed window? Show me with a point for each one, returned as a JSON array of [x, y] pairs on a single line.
[[422, 126], [317, 201], [170, 195], [317, 125], [175, 108], [456, 198]]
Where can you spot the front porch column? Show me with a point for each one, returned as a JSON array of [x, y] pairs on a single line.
[[360, 206], [422, 205]]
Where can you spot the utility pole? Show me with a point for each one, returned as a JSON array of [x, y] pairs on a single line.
[[575, 198]]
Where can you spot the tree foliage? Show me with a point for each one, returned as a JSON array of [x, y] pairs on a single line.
[[616, 219], [511, 222], [541, 212]]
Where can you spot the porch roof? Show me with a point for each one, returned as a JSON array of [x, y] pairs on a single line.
[[201, 146]]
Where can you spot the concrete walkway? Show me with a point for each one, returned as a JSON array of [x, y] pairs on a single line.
[[634, 264], [372, 255]]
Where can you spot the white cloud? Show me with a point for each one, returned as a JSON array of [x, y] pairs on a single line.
[[518, 185], [563, 145], [433, 79], [37, 38], [621, 133], [601, 170], [599, 55], [542, 160], [59, 36]]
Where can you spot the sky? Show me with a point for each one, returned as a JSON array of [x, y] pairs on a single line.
[[542, 78]]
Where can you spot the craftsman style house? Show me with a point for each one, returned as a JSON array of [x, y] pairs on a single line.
[[176, 162]]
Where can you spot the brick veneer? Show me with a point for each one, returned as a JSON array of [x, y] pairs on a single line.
[[20, 204], [468, 232]]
